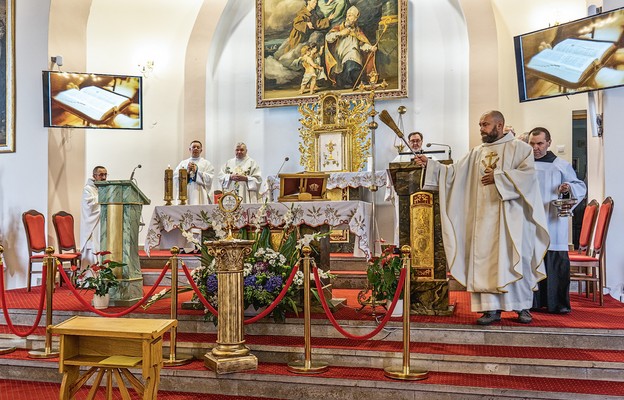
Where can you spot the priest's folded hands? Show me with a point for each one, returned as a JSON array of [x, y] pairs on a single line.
[[421, 160]]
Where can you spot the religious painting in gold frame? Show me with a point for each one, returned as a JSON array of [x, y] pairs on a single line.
[[286, 46], [7, 88], [334, 134]]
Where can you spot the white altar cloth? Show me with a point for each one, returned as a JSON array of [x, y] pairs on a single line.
[[354, 214], [336, 180]]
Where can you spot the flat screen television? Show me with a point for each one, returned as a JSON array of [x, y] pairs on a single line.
[[83, 100], [578, 56]]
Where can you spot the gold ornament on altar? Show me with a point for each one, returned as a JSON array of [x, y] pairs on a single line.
[[228, 204], [168, 186], [334, 134], [182, 186]]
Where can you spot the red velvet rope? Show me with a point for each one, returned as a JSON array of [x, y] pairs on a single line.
[[119, 314], [263, 314], [277, 300], [383, 322], [200, 296], [5, 310]]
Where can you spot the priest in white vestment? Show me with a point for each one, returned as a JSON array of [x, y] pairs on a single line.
[[200, 173], [557, 179], [90, 217], [493, 224], [415, 141], [241, 175]]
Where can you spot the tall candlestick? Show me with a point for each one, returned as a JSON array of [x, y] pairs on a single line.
[[168, 185], [182, 182]]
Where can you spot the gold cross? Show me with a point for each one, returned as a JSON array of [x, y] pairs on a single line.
[[491, 164]]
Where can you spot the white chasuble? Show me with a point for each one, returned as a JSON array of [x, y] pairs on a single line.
[[199, 186], [495, 236], [248, 190]]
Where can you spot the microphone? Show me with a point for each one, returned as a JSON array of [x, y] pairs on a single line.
[[132, 174], [440, 144], [270, 184]]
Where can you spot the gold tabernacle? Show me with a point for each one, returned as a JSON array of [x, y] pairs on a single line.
[[305, 186]]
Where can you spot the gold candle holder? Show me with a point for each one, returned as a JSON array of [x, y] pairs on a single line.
[[168, 186], [182, 182]]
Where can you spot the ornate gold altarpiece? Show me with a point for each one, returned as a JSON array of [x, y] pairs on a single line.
[[334, 138], [419, 228]]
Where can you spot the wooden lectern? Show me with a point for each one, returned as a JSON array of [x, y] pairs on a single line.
[[419, 228], [120, 204]]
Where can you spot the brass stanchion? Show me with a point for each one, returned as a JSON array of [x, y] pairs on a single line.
[[405, 373], [174, 359], [307, 366], [50, 263], [5, 350]]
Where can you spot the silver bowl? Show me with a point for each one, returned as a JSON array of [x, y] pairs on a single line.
[[564, 207]]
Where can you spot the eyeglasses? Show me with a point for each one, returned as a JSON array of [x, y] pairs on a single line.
[[102, 174]]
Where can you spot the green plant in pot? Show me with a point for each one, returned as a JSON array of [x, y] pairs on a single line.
[[100, 277], [383, 274]]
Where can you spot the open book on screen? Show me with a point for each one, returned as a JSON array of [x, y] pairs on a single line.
[[571, 62], [92, 103]]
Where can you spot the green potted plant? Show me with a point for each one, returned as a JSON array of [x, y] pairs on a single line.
[[101, 278], [383, 276]]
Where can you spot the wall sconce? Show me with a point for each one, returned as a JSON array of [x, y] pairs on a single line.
[[147, 68]]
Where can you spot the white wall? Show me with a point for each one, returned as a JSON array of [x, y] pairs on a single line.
[[23, 174], [613, 165]]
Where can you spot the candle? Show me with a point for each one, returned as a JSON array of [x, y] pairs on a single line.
[[182, 182], [168, 185]]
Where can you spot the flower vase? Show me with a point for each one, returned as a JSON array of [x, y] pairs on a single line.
[[101, 302], [398, 310]]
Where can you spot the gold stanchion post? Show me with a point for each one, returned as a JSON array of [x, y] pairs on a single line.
[[307, 366], [5, 350], [405, 373], [174, 359], [50, 262]]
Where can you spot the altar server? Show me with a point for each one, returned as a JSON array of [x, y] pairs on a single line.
[[557, 179]]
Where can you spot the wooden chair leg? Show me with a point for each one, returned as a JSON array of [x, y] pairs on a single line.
[[29, 275]]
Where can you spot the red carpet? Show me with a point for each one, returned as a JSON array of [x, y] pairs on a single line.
[[43, 390], [586, 314]]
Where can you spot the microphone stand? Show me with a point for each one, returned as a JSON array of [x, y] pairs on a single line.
[[270, 184]]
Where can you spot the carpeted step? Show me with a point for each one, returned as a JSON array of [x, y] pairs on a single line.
[[347, 262], [339, 382], [345, 279]]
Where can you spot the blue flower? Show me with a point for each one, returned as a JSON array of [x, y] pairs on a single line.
[[212, 283], [273, 283], [250, 281]]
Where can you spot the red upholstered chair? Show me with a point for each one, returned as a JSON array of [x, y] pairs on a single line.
[[34, 225], [587, 228], [590, 268], [67, 249]]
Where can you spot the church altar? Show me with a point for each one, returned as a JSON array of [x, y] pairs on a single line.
[[354, 214]]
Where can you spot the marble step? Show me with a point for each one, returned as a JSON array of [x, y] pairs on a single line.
[[508, 364], [529, 336]]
